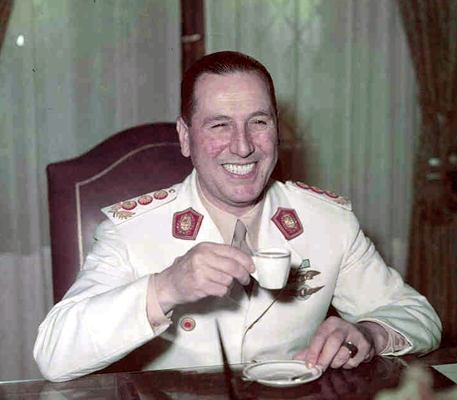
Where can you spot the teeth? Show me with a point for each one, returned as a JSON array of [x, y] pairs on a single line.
[[239, 169]]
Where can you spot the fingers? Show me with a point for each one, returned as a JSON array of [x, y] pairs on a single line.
[[231, 263], [303, 355], [225, 262], [327, 347], [343, 358], [208, 269]]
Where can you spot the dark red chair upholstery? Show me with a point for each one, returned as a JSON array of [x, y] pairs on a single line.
[[127, 164]]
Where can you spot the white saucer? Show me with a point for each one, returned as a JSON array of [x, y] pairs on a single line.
[[280, 373]]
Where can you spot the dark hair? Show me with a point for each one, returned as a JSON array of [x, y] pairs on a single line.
[[220, 63]]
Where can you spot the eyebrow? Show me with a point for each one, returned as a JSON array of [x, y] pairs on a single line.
[[215, 118], [261, 113], [222, 117]]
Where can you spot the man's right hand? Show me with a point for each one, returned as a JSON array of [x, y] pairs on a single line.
[[208, 269]]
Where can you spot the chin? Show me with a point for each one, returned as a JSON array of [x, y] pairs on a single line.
[[245, 198]]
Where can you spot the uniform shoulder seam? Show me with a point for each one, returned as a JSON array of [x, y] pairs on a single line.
[[324, 195]]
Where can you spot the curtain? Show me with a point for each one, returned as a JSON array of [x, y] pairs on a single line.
[[72, 72], [431, 26], [346, 93]]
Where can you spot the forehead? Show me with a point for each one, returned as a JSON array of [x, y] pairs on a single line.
[[230, 88]]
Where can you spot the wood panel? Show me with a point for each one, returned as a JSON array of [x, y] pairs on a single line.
[[192, 32], [431, 28], [5, 12]]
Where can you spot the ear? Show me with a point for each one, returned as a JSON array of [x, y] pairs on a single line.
[[183, 133]]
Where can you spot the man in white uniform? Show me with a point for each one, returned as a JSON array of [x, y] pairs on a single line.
[[163, 270]]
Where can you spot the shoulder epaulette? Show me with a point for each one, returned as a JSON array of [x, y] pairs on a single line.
[[324, 195], [128, 209]]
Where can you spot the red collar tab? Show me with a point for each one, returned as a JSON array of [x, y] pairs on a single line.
[[186, 224], [287, 221]]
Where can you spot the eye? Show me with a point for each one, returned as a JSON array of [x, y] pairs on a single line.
[[220, 125], [259, 123]]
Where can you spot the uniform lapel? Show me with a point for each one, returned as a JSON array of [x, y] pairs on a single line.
[[269, 236], [208, 233]]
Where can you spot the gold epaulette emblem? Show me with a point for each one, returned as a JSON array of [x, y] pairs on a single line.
[[125, 210], [323, 194], [186, 224], [288, 222]]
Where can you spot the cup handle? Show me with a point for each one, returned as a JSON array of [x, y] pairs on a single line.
[[255, 275]]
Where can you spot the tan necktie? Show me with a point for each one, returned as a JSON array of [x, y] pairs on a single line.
[[239, 238], [239, 241]]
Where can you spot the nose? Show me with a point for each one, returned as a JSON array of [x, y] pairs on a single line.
[[241, 142]]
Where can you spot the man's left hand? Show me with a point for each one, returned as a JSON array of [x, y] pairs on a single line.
[[327, 346]]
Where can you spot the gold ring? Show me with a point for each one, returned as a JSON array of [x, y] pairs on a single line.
[[353, 350]]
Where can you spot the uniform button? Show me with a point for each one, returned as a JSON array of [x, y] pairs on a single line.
[[188, 324], [160, 194], [128, 205], [145, 200]]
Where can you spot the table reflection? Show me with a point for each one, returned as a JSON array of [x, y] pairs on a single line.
[[204, 383], [365, 380]]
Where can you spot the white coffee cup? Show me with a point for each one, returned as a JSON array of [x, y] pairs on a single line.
[[272, 267]]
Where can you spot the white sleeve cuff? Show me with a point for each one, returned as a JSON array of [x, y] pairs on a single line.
[[158, 320], [397, 343]]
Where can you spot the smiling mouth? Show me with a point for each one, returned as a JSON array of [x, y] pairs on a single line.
[[239, 169]]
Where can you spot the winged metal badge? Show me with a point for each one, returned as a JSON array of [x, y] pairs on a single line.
[[298, 283]]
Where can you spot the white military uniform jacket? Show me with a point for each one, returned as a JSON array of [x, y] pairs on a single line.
[[103, 316]]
